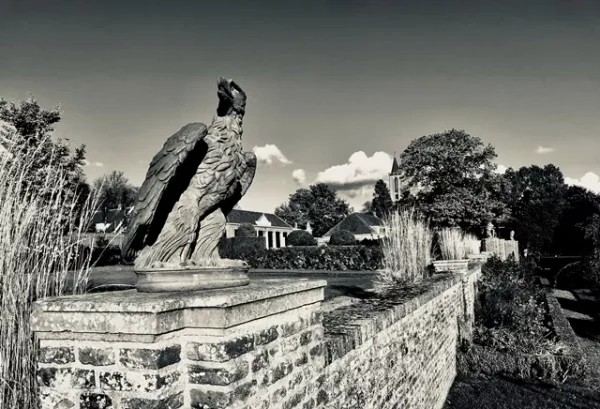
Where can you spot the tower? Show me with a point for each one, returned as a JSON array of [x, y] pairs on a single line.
[[394, 179]]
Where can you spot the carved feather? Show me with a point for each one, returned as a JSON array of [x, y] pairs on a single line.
[[168, 176], [247, 175]]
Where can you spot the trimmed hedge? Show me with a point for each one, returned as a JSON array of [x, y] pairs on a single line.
[[301, 238], [319, 258], [241, 247], [342, 238]]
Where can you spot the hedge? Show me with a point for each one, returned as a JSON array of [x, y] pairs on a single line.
[[241, 247], [319, 258]]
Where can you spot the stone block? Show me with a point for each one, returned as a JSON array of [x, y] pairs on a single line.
[[97, 356], [206, 375], [60, 355], [221, 351], [150, 358]]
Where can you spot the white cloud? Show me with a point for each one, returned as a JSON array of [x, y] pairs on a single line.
[[501, 169], [96, 164], [299, 176], [269, 154], [589, 181], [360, 170], [543, 149]]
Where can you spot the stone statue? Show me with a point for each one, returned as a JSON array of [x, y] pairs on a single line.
[[191, 185], [512, 235], [489, 231]]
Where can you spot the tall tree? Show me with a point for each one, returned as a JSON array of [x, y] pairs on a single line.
[[114, 191], [382, 201], [536, 201], [580, 206], [367, 207], [319, 205], [452, 180]]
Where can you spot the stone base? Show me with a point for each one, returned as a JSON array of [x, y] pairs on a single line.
[[126, 350], [455, 266], [199, 278]]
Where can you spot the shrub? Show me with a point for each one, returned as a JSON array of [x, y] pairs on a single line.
[[370, 242], [359, 258], [40, 241], [452, 244], [301, 238], [342, 238], [510, 311], [246, 230], [406, 249], [241, 248]]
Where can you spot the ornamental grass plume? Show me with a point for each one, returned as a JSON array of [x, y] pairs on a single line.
[[41, 230], [406, 249], [452, 244]]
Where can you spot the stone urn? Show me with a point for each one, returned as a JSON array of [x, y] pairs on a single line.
[[453, 266], [191, 278]]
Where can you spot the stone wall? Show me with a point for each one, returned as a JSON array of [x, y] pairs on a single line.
[[373, 353], [501, 248]]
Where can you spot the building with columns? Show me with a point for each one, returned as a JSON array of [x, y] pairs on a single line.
[[267, 225]]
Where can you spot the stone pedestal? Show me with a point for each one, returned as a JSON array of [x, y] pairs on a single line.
[[168, 350]]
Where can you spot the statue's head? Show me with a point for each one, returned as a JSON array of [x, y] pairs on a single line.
[[231, 98]]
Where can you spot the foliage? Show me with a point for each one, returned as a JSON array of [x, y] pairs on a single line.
[[536, 201], [33, 126], [451, 175], [246, 230], [342, 238], [367, 207], [510, 311], [301, 238], [382, 202], [114, 191], [406, 249], [579, 208], [40, 241], [241, 247], [319, 205], [358, 258], [452, 244]]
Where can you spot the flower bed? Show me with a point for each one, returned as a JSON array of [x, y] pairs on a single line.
[[520, 330]]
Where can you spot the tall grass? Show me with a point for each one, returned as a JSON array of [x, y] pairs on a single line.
[[40, 234], [452, 244], [406, 249], [472, 243]]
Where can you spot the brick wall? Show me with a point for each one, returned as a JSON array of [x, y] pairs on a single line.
[[373, 353]]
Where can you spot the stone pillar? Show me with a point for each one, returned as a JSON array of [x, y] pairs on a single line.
[[208, 349], [283, 243]]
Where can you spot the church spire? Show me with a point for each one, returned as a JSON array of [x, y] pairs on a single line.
[[395, 167]]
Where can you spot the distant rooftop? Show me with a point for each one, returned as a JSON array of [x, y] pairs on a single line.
[[357, 223], [245, 216]]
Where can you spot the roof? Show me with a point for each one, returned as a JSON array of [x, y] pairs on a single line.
[[395, 167], [113, 217], [245, 216], [357, 223]]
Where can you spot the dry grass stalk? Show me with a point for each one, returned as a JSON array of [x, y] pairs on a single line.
[[472, 243], [452, 244], [406, 249], [39, 244]]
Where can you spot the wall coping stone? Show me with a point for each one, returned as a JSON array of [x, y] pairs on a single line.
[[350, 326], [130, 312]]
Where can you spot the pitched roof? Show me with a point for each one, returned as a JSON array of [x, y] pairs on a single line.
[[245, 216], [395, 167], [357, 223]]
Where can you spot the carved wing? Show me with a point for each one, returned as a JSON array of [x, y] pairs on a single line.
[[168, 176], [247, 175]]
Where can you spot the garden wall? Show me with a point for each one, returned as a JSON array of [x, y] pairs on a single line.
[[273, 344]]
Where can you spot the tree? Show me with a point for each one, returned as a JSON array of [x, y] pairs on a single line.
[[580, 207], [114, 191], [536, 201], [34, 126], [367, 207], [382, 201], [319, 205], [450, 178]]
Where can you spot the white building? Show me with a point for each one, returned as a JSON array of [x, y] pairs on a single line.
[[267, 225], [362, 225]]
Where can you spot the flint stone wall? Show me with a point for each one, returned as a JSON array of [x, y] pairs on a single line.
[[369, 354]]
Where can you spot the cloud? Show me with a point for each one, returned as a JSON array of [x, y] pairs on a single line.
[[269, 154], [96, 164], [360, 171], [501, 169], [299, 176], [589, 181], [541, 150]]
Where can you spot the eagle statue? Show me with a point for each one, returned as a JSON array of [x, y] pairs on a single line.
[[191, 185]]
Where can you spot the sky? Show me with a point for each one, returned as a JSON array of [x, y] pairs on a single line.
[[334, 87]]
